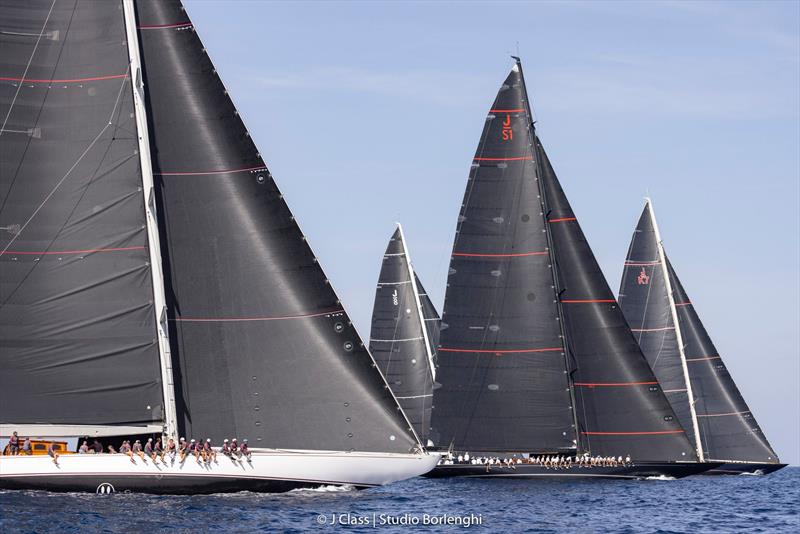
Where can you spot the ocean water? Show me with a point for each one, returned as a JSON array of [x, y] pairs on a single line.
[[692, 505]]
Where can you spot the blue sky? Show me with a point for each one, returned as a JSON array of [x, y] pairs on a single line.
[[369, 112]]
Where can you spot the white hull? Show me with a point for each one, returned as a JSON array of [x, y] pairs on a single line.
[[267, 471]]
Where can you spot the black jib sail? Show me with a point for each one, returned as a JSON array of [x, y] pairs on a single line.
[[261, 344], [726, 427], [399, 338], [501, 359], [432, 321], [619, 403], [78, 340]]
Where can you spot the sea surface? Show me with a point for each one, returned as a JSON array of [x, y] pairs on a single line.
[[697, 504]]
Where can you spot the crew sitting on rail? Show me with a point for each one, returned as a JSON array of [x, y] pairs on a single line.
[[208, 452], [245, 450], [148, 448], [183, 449], [171, 450], [125, 448], [13, 444], [84, 448], [235, 448], [158, 451], [52, 452]]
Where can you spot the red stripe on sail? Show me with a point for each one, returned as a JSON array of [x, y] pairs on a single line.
[[246, 319], [504, 159], [632, 433], [587, 301], [205, 173], [165, 26], [641, 263], [516, 255], [652, 329], [56, 252], [506, 110], [703, 359], [563, 219], [519, 351], [687, 303], [613, 384], [65, 80]]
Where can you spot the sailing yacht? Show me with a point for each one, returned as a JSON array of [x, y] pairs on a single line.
[[700, 389], [535, 357], [153, 281], [404, 335]]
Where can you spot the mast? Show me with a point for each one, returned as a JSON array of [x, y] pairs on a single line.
[[550, 249], [662, 259], [154, 246], [415, 290]]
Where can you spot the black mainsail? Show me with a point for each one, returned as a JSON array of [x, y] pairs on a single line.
[[92, 330], [682, 355], [399, 338], [78, 335], [535, 354], [501, 358], [260, 342]]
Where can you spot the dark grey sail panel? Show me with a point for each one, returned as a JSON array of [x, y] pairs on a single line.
[[620, 406], [397, 341], [501, 364], [261, 345], [645, 301], [728, 429], [430, 316], [77, 322]]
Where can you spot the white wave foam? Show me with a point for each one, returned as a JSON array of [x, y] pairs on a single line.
[[325, 489], [660, 477]]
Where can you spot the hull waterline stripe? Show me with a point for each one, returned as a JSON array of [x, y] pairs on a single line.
[[168, 474], [66, 80], [613, 384], [563, 219], [56, 252], [206, 173], [656, 433], [165, 26], [517, 255], [519, 351], [246, 319], [520, 158]]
